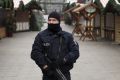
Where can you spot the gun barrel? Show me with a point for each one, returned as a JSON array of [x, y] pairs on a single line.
[[61, 75]]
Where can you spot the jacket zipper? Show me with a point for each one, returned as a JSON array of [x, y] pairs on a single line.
[[59, 48]]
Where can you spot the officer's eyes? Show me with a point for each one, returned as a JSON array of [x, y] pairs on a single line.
[[51, 20]]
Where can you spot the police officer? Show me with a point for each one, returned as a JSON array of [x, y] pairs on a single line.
[[54, 49]]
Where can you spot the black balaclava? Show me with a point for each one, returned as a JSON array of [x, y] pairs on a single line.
[[55, 28]]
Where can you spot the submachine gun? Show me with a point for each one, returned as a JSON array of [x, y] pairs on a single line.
[[58, 73]]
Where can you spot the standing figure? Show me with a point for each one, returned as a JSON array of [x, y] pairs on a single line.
[[54, 50]]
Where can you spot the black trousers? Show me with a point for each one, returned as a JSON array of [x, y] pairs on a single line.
[[53, 77]]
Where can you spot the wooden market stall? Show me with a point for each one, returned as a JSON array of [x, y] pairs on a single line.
[[98, 20], [6, 15], [6, 23], [21, 20], [89, 11], [23, 15], [117, 29], [2, 27], [76, 18], [110, 21], [34, 12]]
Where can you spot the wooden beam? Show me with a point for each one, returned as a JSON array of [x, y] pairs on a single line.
[[71, 9], [83, 6]]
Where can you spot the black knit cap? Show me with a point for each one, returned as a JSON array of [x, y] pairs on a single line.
[[55, 15]]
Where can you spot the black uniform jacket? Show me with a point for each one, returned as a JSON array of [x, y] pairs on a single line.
[[55, 47]]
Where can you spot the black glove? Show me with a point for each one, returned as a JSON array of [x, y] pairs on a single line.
[[48, 71]]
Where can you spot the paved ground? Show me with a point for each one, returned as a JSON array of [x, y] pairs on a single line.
[[98, 61]]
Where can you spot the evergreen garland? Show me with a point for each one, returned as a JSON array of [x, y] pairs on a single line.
[[1, 3], [67, 16], [99, 4], [119, 1], [7, 4], [111, 7]]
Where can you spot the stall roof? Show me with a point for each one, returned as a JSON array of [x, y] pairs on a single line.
[[99, 4], [78, 5], [83, 6], [33, 5], [103, 5], [112, 6]]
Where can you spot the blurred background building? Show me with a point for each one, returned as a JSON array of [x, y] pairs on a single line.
[[81, 1], [84, 1], [52, 5]]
